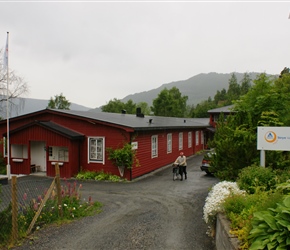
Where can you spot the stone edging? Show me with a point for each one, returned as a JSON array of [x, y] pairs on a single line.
[[223, 239]]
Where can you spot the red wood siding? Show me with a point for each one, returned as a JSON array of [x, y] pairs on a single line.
[[37, 133], [147, 163], [114, 137]]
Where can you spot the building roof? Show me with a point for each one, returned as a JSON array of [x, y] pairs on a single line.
[[138, 123], [128, 122], [225, 109]]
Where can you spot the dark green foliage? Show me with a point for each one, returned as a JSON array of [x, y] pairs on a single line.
[[6, 224], [98, 176], [234, 90], [201, 110], [170, 103], [271, 228], [235, 148], [123, 156], [245, 84], [255, 178], [59, 102], [116, 106], [267, 103]]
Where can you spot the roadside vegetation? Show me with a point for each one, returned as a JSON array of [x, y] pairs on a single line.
[[98, 176], [73, 206], [255, 199]]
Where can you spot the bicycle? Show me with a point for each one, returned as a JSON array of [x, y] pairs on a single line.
[[175, 171]]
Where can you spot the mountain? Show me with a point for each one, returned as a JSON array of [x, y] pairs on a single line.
[[198, 88], [29, 105]]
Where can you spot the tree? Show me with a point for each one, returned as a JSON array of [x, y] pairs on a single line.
[[59, 102], [145, 109], [267, 103], [234, 90], [17, 87], [114, 106], [201, 110], [130, 107], [245, 84], [170, 103], [284, 71], [220, 97]]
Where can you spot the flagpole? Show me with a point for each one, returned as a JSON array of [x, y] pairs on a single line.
[[7, 109]]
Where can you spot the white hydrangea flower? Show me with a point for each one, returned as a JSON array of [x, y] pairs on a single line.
[[215, 198]]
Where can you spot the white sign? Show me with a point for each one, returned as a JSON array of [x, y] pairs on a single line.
[[134, 145], [273, 138]]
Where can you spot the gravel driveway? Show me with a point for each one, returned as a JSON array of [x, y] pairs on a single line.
[[152, 212]]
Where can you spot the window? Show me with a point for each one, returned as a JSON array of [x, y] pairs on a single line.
[[202, 137], [169, 143], [154, 146], [189, 139], [58, 154], [196, 138], [96, 149], [19, 151], [180, 141]]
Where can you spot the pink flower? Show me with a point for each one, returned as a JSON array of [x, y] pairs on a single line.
[[25, 196], [35, 206]]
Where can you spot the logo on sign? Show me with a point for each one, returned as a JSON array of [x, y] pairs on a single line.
[[270, 137]]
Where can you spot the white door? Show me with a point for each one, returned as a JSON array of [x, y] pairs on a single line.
[[38, 154]]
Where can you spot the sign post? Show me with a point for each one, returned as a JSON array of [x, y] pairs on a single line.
[[272, 138]]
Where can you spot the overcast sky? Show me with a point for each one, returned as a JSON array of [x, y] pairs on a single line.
[[93, 52]]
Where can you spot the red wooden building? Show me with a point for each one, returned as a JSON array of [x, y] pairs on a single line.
[[215, 114], [77, 140]]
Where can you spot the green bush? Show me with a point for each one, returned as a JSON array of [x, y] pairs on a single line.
[[124, 156], [6, 224], [240, 209], [282, 175], [271, 228], [98, 176], [255, 178]]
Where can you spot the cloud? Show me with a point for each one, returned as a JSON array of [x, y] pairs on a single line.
[[94, 52]]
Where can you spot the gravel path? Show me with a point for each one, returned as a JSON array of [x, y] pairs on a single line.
[[152, 212]]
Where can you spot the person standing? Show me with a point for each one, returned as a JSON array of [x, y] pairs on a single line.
[[181, 162]]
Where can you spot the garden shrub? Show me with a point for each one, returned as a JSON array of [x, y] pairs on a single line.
[[6, 224], [271, 227], [240, 209], [255, 178], [282, 175], [98, 176]]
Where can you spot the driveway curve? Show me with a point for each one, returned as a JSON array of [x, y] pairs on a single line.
[[151, 212]]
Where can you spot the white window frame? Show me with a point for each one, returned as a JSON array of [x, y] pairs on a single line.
[[56, 153], [180, 141], [154, 146], [189, 139], [196, 138], [169, 143], [96, 149], [19, 151]]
